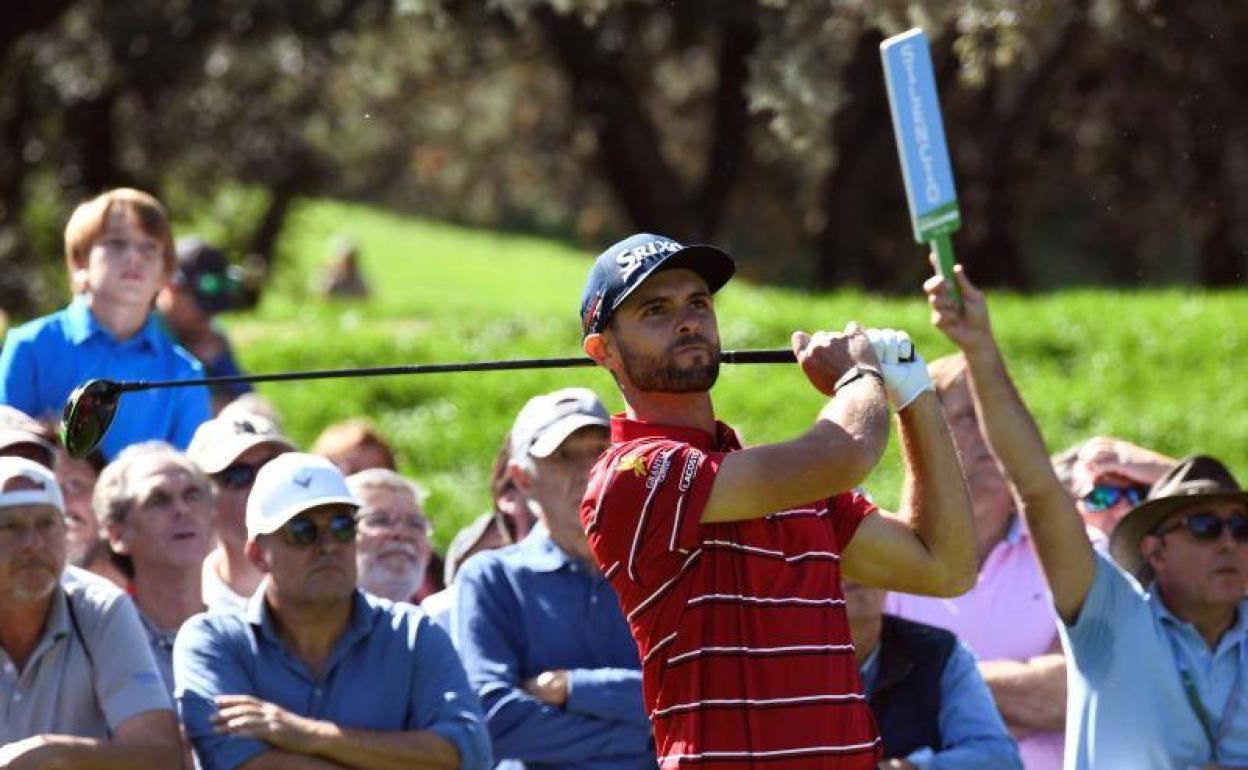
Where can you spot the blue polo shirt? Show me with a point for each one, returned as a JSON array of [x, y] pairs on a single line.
[[1127, 708], [973, 735], [392, 669], [529, 608], [45, 359]]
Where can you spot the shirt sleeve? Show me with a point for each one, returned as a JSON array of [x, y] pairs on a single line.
[[644, 507], [1115, 604], [848, 511], [521, 726], [126, 678], [205, 666], [607, 693], [973, 735], [442, 701], [19, 372]]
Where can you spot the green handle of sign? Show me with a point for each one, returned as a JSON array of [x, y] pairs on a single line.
[[943, 246]]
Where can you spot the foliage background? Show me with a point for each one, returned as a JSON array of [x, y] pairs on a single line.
[[1156, 367]]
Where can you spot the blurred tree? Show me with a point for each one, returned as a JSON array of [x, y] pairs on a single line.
[[1093, 141]]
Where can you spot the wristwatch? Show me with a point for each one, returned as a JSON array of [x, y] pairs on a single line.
[[856, 372]]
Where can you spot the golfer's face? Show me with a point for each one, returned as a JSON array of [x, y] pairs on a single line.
[[667, 334]]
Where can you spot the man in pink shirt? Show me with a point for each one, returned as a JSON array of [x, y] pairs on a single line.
[[1007, 619]]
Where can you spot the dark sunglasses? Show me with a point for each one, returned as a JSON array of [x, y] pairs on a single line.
[[1208, 526], [303, 531], [1106, 496], [237, 476]]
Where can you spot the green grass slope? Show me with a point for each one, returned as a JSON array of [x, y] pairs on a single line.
[[1163, 368]]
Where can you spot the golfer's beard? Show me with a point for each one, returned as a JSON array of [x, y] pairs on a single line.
[[660, 374]]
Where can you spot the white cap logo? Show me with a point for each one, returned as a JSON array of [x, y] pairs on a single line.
[[629, 261]]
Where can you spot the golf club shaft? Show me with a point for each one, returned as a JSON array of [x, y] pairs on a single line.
[[778, 356]]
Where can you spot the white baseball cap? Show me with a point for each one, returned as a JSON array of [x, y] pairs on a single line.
[[547, 420], [219, 442], [41, 488], [291, 484]]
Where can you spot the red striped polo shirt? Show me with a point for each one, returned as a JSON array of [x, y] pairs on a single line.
[[745, 647]]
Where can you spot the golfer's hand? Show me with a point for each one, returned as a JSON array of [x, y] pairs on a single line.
[[969, 328], [825, 356], [248, 717], [549, 687], [904, 370]]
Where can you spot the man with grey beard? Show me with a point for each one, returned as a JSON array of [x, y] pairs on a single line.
[[393, 548]]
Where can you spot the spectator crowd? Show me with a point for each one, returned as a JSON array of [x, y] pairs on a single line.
[[199, 592]]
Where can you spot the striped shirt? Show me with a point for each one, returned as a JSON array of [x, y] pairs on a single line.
[[741, 627]]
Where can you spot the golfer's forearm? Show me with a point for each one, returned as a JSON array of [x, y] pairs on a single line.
[[387, 750], [852, 430], [1029, 694], [934, 497]]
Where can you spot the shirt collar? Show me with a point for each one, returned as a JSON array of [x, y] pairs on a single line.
[[83, 325], [541, 553], [1017, 531], [624, 429], [1237, 633], [363, 615]]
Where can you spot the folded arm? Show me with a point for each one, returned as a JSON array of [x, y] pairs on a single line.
[[1030, 694], [148, 741]]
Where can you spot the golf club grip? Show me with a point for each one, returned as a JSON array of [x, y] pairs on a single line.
[[778, 356]]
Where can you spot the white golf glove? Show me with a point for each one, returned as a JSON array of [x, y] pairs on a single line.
[[905, 372]]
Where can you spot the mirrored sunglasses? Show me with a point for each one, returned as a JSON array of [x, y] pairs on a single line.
[[1208, 526], [303, 531], [1106, 496]]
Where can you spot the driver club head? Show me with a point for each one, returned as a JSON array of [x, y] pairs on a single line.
[[88, 413]]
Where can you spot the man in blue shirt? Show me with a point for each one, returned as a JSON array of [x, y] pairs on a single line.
[[316, 674], [540, 631], [932, 706], [119, 253], [1157, 639]]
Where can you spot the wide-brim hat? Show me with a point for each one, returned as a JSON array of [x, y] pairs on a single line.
[[1195, 480]]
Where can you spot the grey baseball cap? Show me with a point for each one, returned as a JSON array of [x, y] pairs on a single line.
[[547, 420]]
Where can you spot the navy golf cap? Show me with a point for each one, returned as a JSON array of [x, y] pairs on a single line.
[[627, 264]]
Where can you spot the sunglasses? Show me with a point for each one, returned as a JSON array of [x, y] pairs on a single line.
[[1206, 526], [1106, 496], [302, 531], [237, 476]]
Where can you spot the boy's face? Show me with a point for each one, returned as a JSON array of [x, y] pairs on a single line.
[[125, 265]]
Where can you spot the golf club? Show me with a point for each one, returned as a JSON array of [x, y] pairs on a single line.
[[90, 409]]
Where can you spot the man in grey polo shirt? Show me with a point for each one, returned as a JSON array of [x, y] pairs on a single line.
[[1157, 638], [78, 686], [316, 673]]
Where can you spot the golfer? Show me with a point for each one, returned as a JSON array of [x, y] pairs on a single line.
[[728, 561]]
